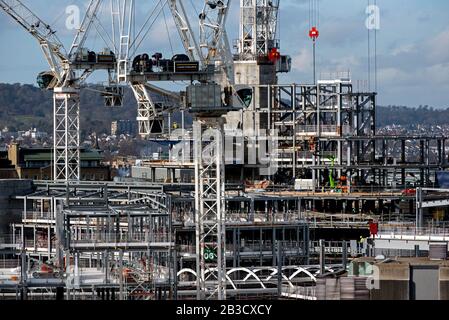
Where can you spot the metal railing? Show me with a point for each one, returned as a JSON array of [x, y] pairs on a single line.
[[300, 293], [37, 243], [341, 220], [256, 247], [269, 246], [303, 155], [6, 239], [313, 129], [9, 263], [334, 247], [314, 219], [371, 191], [109, 237], [411, 230], [37, 215]]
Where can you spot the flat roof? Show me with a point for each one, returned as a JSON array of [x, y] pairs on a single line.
[[406, 261], [48, 156]]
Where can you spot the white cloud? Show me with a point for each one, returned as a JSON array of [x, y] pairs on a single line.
[[438, 48], [405, 48], [345, 63], [303, 60], [392, 75]]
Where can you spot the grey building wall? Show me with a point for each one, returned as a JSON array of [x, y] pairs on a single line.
[[11, 209]]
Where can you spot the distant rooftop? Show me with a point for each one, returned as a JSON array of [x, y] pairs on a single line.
[[92, 155]]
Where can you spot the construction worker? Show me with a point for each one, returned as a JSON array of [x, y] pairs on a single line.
[[361, 242]]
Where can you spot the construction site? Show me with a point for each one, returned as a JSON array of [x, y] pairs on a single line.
[[272, 191]]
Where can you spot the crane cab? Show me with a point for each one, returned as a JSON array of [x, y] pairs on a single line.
[[86, 56], [46, 80], [178, 64], [106, 57]]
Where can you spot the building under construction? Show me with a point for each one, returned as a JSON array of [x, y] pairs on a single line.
[[273, 192]]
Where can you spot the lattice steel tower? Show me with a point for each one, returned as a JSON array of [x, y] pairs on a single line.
[[258, 27]]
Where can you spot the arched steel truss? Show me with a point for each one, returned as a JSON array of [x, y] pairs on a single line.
[[306, 272]]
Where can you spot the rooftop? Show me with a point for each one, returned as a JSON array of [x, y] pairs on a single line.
[[47, 155]]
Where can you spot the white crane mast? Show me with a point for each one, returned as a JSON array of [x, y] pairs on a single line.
[[185, 30], [258, 27], [123, 18], [214, 42], [210, 213], [83, 31], [211, 49]]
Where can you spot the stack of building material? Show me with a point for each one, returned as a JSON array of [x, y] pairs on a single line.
[[321, 289], [332, 289], [438, 251], [347, 289], [361, 291]]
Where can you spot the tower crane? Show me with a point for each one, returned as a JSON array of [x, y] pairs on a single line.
[[210, 100], [214, 52], [214, 76], [68, 72]]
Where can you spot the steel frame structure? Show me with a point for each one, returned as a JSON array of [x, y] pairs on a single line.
[[105, 231], [422, 203], [312, 120], [89, 234], [316, 122]]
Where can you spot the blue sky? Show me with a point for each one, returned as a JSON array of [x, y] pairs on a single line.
[[413, 44]]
